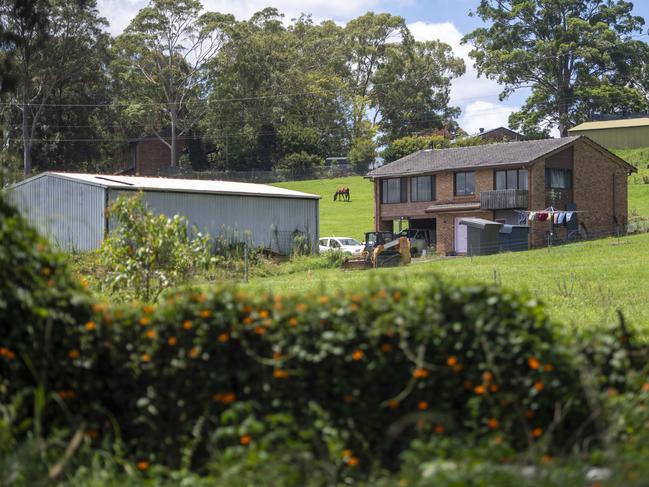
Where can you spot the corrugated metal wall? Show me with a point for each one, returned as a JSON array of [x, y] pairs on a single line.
[[618, 138], [269, 221], [69, 213]]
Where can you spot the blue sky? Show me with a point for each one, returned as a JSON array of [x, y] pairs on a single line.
[[447, 20]]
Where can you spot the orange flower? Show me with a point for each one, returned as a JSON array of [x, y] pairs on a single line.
[[451, 361], [146, 357], [194, 352], [260, 330], [263, 314], [148, 309], [172, 341], [393, 404], [645, 387], [529, 414], [245, 440], [382, 294], [97, 307], [280, 374], [479, 389], [292, 321], [538, 385], [357, 355], [224, 337], [547, 459], [420, 373], [397, 295], [323, 299], [357, 298], [46, 271], [144, 320], [493, 388], [90, 326], [536, 432], [142, 465], [187, 325], [151, 334], [386, 347], [301, 307], [277, 355], [354, 307], [533, 363], [206, 313], [226, 398], [422, 405], [74, 354], [67, 394], [247, 320], [493, 423], [439, 429], [352, 462], [548, 367], [487, 377]]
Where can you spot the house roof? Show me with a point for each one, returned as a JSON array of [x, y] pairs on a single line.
[[487, 132], [489, 155], [177, 185], [612, 124], [452, 207]]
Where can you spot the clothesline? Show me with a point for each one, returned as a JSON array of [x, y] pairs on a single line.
[[550, 214]]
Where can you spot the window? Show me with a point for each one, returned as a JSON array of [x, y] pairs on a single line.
[[464, 183], [558, 178], [393, 190], [333, 244], [422, 188], [511, 179]]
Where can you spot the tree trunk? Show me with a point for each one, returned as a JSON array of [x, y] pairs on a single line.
[[27, 142], [174, 118]]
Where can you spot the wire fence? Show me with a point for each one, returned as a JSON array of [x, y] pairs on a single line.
[[273, 176]]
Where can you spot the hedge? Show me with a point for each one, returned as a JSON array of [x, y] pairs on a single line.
[[383, 364]]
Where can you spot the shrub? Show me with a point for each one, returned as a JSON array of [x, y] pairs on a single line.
[[146, 254], [300, 162]]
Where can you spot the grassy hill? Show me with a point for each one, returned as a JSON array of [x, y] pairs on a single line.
[[340, 218], [583, 284]]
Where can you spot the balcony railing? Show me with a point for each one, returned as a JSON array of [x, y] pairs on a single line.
[[503, 199]]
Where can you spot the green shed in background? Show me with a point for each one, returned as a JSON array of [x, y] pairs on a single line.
[[629, 133]]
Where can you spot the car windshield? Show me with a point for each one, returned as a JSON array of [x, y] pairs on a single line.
[[349, 241]]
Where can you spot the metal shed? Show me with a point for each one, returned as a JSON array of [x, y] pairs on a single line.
[[628, 133], [483, 236], [514, 238], [70, 208]]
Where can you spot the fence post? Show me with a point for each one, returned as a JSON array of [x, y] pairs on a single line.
[[245, 262]]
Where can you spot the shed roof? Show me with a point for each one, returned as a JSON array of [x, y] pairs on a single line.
[[178, 185], [489, 155], [478, 222], [612, 124]]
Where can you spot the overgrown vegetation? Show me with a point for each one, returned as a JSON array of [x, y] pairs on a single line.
[[311, 388]]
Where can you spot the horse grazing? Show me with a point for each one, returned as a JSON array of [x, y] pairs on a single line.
[[343, 193]]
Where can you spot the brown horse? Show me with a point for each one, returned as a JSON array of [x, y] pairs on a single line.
[[343, 193]]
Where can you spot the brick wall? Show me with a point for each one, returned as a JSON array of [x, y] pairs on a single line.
[[152, 155], [446, 228]]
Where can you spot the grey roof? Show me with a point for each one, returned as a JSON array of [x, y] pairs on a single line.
[[489, 155]]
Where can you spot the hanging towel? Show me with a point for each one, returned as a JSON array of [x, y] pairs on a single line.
[[531, 216], [542, 216], [556, 218], [562, 218], [569, 216]]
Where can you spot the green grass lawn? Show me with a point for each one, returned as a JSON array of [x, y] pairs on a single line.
[[583, 284], [340, 218]]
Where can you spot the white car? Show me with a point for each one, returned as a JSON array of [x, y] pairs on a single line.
[[347, 245]]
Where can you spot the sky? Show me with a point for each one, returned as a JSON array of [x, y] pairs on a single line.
[[446, 20]]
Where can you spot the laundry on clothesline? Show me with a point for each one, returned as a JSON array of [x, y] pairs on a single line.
[[558, 217]]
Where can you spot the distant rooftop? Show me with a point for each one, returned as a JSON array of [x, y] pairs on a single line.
[[612, 124], [178, 185]]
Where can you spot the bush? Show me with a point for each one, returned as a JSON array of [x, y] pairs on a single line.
[[300, 162], [349, 377], [146, 254]]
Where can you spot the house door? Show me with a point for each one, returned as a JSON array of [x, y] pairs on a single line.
[[460, 237]]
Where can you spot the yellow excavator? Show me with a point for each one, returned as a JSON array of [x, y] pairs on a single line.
[[382, 249]]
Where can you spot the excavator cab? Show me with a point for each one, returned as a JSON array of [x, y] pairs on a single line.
[[382, 249], [374, 239]]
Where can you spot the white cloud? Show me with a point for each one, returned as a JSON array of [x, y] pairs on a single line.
[[120, 12], [486, 115], [477, 97]]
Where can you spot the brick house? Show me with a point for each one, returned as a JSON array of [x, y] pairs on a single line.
[[435, 189], [148, 156], [499, 134]]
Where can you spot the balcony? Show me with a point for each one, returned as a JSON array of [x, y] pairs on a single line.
[[503, 199]]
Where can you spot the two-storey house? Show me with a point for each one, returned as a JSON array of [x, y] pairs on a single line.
[[435, 189]]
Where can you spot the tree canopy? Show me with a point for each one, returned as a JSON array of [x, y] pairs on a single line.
[[568, 52]]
